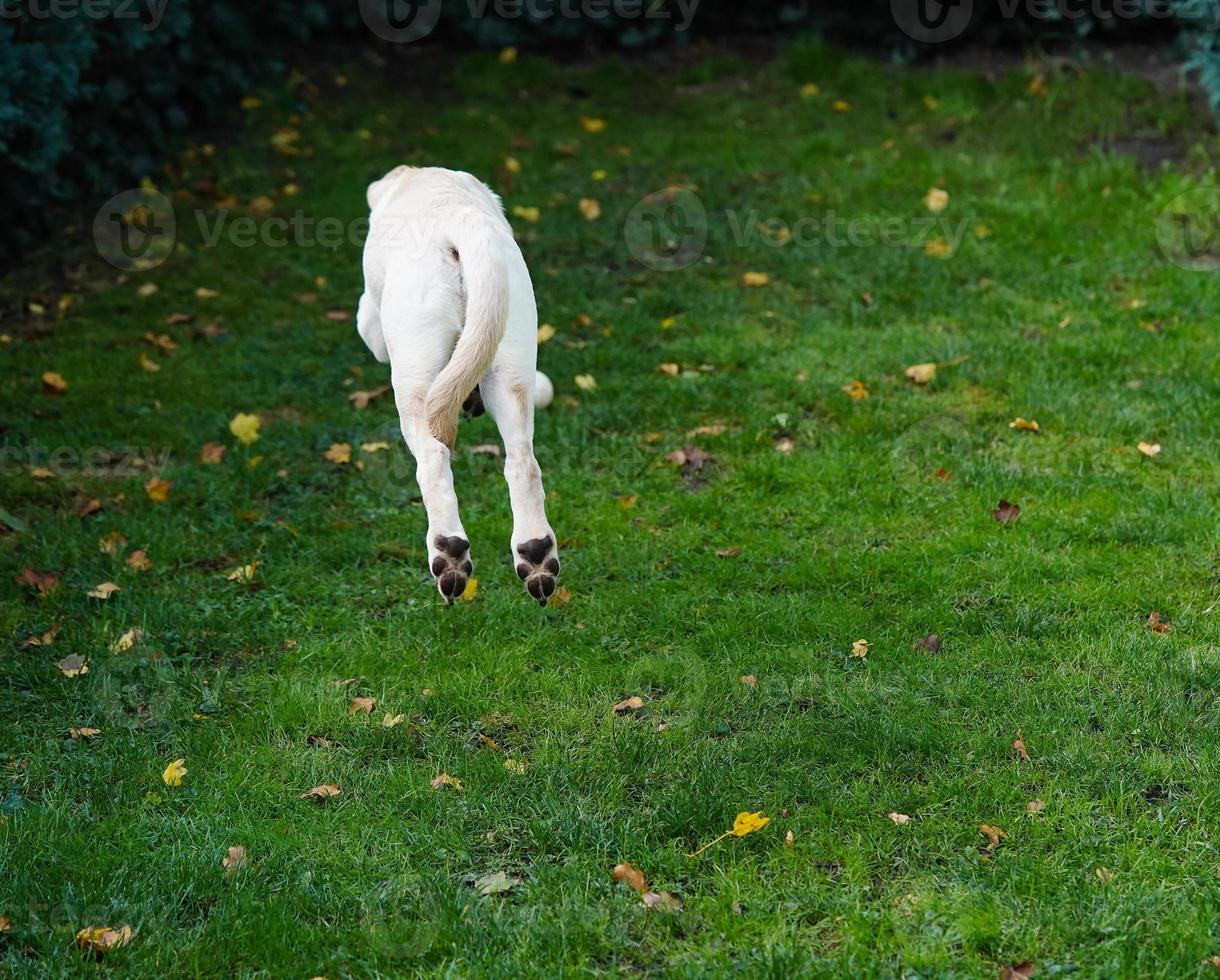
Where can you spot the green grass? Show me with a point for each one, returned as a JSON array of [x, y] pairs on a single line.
[[848, 536]]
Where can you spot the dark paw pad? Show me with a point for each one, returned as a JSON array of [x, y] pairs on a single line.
[[536, 550], [538, 567], [452, 567], [455, 546]]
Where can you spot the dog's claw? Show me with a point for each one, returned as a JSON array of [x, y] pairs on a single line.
[[538, 567]]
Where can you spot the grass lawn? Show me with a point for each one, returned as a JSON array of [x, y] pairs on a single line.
[[727, 594]]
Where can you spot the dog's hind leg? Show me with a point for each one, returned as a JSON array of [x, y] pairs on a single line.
[[508, 396], [420, 343]]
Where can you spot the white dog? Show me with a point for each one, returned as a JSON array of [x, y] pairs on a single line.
[[449, 304]]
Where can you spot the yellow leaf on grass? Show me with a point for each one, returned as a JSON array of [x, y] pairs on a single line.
[[526, 213], [174, 772], [921, 374], [158, 490], [630, 876], [361, 704], [53, 383], [1149, 449], [73, 665], [390, 720], [860, 649], [203, 292], [545, 333], [105, 590], [936, 200], [321, 793], [512, 165], [128, 640], [444, 779], [508, 55], [591, 124], [669, 368], [809, 90], [243, 574], [245, 427], [374, 447], [585, 382], [841, 105], [103, 939], [938, 248], [745, 823], [471, 590], [516, 766], [1024, 425], [339, 453], [211, 453], [148, 364], [138, 561], [590, 209], [857, 390], [900, 818], [755, 279]]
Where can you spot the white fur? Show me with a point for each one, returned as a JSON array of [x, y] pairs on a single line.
[[449, 304]]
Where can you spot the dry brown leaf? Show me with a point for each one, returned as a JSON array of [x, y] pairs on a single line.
[[1018, 971], [749, 680], [444, 779], [1006, 512], [112, 544], [339, 453], [561, 597], [358, 705], [1035, 806], [858, 390], [662, 900], [360, 399], [138, 561], [53, 383], [73, 665], [128, 640], [104, 591], [731, 552], [631, 876], [83, 733], [631, 705], [212, 453], [922, 374], [390, 719], [754, 280], [41, 639], [860, 649], [1149, 449], [931, 643], [900, 818], [103, 939], [235, 859], [321, 793], [43, 583], [87, 507], [1024, 425], [994, 835], [789, 839], [1158, 624], [1018, 745]]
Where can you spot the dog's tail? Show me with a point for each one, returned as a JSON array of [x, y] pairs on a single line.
[[479, 252]]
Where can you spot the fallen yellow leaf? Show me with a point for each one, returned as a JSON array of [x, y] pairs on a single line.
[[936, 200], [245, 427], [755, 279], [321, 793], [339, 453], [857, 390], [235, 859], [1149, 449], [105, 590], [1024, 425], [73, 665], [585, 382], [128, 640], [545, 333], [444, 779], [103, 939], [590, 209], [921, 374], [174, 772], [591, 124], [53, 383], [158, 490], [860, 649], [526, 213], [361, 704]]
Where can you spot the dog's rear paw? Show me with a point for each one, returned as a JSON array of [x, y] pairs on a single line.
[[452, 566], [538, 566]]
